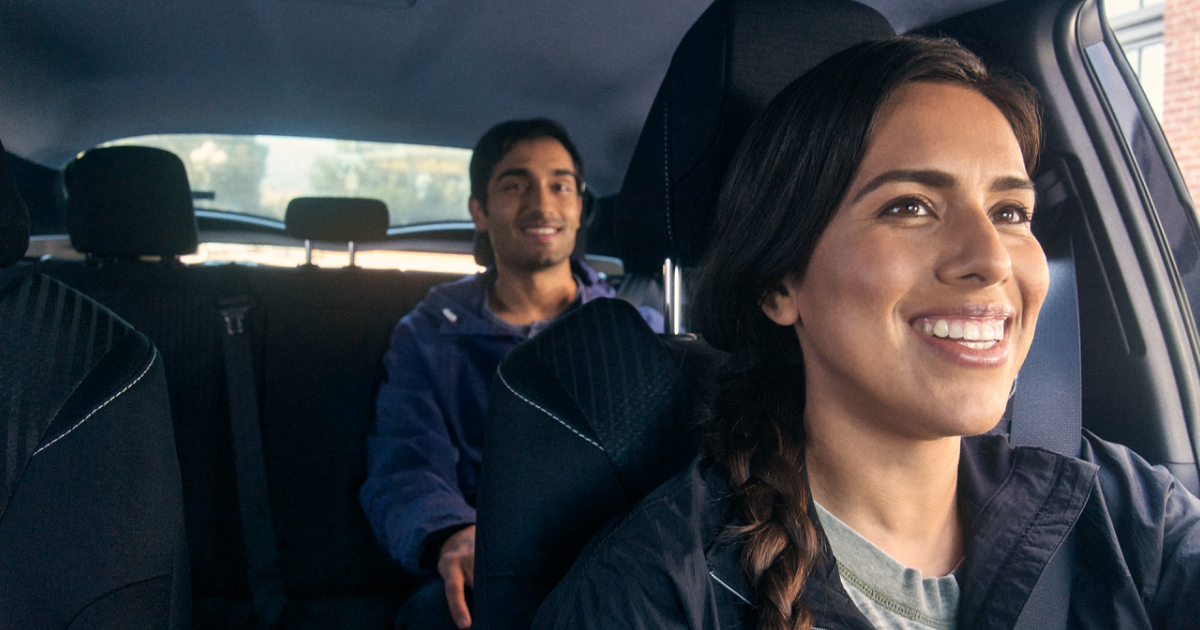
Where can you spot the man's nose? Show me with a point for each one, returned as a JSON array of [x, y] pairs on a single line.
[[537, 195]]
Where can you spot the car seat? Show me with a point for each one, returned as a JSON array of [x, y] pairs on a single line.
[[596, 411], [91, 509]]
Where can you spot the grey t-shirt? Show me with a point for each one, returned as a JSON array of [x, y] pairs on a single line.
[[532, 328], [889, 594]]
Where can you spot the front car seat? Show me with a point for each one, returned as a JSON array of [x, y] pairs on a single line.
[[593, 413], [91, 509]]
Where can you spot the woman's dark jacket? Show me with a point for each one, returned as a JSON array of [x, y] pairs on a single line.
[[1135, 529]]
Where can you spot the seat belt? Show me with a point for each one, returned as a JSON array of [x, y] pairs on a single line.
[[258, 529], [1048, 412]]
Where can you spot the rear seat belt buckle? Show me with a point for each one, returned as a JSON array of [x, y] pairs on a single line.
[[234, 318]]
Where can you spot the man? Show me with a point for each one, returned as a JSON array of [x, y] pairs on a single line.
[[424, 452]]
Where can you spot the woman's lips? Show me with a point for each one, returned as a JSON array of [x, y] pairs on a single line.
[[977, 341]]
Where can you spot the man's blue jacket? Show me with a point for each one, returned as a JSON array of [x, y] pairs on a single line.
[[423, 454]]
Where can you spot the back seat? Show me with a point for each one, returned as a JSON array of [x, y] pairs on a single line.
[[318, 337]]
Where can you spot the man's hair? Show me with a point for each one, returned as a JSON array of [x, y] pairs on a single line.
[[499, 140]]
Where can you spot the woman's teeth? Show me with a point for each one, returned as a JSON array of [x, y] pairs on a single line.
[[974, 334]]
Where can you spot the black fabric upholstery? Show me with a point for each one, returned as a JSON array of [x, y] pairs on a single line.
[[91, 524], [584, 420], [737, 56], [125, 202], [338, 219], [14, 217], [45, 365], [319, 336]]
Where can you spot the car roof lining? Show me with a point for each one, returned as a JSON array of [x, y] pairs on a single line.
[[436, 72]]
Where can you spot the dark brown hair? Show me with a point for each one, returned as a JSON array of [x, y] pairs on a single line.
[[783, 187], [496, 142]]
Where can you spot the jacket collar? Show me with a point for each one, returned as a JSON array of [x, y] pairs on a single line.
[[466, 301], [1019, 505]]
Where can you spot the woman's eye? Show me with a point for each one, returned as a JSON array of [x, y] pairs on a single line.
[[1013, 214], [907, 208]]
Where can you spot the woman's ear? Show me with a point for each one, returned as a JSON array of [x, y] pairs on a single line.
[[780, 304]]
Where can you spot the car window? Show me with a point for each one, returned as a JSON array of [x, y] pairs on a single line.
[[1158, 128], [251, 179], [1138, 26], [256, 176]]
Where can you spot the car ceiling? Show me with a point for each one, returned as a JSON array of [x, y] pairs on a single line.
[[75, 74]]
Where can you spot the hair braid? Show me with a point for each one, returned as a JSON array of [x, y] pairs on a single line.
[[751, 440]]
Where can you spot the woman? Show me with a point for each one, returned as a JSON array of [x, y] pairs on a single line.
[[877, 284]]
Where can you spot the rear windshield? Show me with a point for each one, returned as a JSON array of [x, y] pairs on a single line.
[[256, 176]]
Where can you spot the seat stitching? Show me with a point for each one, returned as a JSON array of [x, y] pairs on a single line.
[[153, 356], [570, 428], [730, 588]]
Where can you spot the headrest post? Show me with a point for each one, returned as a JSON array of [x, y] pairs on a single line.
[[307, 252], [672, 291], [350, 248]]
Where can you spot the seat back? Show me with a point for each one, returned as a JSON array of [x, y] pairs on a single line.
[[317, 337], [583, 421], [91, 508]]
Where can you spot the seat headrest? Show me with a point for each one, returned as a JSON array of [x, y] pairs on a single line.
[[338, 219], [736, 57], [125, 202], [14, 217]]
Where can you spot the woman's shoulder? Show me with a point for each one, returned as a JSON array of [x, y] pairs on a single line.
[[648, 567], [1130, 483], [1156, 523]]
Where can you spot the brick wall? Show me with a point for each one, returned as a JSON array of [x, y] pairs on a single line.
[[1181, 86]]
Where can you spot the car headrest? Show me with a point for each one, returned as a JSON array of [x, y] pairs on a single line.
[[125, 202], [338, 219], [736, 57], [14, 217]]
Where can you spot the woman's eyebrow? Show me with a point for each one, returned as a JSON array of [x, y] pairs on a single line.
[[927, 177], [1001, 184], [938, 179]]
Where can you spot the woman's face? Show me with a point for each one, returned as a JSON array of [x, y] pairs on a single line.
[[919, 303]]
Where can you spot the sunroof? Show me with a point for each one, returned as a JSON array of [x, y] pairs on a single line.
[[256, 176]]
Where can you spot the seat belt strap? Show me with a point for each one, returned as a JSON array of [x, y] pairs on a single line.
[[1048, 404], [258, 529], [1048, 412]]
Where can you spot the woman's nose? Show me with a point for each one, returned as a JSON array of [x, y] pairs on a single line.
[[973, 251]]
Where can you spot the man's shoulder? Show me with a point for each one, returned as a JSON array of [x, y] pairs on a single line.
[[590, 283], [461, 297]]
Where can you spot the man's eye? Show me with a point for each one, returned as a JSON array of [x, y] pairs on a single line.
[[1012, 214], [909, 207]]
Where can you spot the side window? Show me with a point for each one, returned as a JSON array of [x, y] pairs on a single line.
[[1138, 26], [1146, 72]]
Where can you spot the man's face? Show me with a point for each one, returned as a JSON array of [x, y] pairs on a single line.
[[533, 206]]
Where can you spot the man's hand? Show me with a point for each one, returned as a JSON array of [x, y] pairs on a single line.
[[457, 566]]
